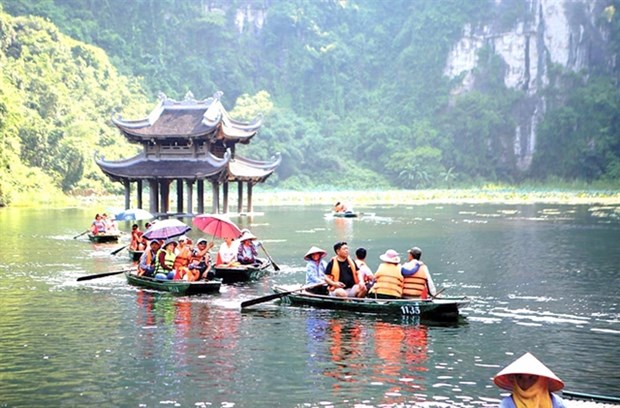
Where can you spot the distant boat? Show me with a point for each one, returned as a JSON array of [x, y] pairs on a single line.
[[135, 255], [345, 214], [102, 238]]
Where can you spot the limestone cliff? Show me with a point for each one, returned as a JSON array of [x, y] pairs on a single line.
[[567, 34]]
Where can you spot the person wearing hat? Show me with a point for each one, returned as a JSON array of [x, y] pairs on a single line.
[[388, 279], [341, 274], [531, 384], [417, 281], [183, 253], [200, 258], [247, 253], [148, 260], [164, 267], [315, 270]]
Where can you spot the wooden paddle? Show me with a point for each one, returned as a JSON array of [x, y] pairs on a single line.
[[437, 294], [277, 295], [116, 251], [275, 266], [101, 275], [79, 235]]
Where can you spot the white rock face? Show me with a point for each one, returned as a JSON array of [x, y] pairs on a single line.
[[554, 31]]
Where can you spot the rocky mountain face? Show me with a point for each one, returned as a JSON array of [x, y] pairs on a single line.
[[565, 34]]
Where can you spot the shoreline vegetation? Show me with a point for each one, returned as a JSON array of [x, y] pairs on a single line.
[[362, 198]]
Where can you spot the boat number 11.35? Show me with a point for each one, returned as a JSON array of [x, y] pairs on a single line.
[[410, 310]]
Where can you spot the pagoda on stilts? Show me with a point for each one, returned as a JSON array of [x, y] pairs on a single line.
[[190, 142]]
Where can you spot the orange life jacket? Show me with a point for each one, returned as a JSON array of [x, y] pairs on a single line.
[[183, 257], [388, 280], [415, 286], [335, 272]]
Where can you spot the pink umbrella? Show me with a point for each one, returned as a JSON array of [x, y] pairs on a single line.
[[219, 226]]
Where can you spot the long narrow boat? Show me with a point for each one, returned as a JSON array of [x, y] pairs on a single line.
[[102, 238], [241, 273], [437, 309], [179, 287], [135, 255], [346, 214], [598, 399]]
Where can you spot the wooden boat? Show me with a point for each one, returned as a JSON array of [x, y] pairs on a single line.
[[135, 255], [598, 399], [179, 287], [346, 214], [241, 273], [437, 309], [102, 238]]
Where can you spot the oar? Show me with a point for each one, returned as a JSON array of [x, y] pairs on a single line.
[[79, 235], [437, 294], [275, 267], [277, 295], [101, 275], [116, 251]]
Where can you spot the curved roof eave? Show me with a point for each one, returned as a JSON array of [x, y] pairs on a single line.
[[242, 169]]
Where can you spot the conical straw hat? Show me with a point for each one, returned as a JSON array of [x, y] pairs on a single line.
[[527, 364], [314, 250]]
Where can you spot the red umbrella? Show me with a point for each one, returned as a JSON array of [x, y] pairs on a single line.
[[219, 226]]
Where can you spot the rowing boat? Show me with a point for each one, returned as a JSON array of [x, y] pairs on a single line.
[[242, 273], [346, 214], [101, 238], [437, 309], [135, 255], [179, 287], [598, 399]]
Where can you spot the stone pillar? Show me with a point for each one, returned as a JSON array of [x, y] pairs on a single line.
[[250, 204], [216, 197], [127, 185], [239, 197], [200, 191], [139, 192], [164, 193], [180, 196], [190, 198], [153, 196], [225, 198]]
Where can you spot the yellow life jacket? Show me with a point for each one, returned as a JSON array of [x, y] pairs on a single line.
[[388, 280], [415, 286], [169, 261], [335, 272]]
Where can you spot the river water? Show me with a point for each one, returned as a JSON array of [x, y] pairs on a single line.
[[541, 278]]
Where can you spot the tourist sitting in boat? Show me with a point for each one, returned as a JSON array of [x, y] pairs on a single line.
[[388, 279], [97, 226], [247, 253], [200, 259], [136, 243], [340, 207], [148, 260], [183, 253], [227, 255], [531, 384], [164, 267], [110, 224], [417, 282], [365, 273], [341, 274], [315, 270]]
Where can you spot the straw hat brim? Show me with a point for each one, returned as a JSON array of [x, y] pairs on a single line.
[[314, 250], [527, 364], [384, 258]]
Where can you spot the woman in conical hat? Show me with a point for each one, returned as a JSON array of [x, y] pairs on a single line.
[[531, 384], [315, 269]]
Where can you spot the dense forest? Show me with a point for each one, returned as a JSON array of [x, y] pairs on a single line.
[[353, 92]]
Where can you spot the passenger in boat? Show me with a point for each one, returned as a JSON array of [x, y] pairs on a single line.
[[417, 282], [315, 270], [341, 274], [200, 259], [164, 267], [531, 384], [247, 253], [388, 279], [98, 226], [148, 260], [227, 255], [136, 243], [183, 253], [339, 207], [365, 273], [110, 224]]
